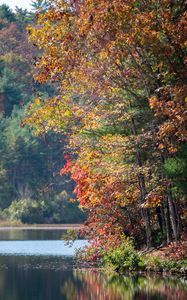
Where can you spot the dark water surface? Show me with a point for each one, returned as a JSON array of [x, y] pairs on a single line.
[[28, 273], [31, 234]]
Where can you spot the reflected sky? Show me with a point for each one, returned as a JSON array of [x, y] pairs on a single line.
[[51, 277], [57, 278]]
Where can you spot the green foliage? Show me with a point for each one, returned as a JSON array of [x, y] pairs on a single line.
[[6, 13], [24, 210], [64, 211], [30, 184], [59, 210], [31, 188], [40, 5], [158, 264], [11, 91], [23, 17], [125, 256], [174, 166], [176, 169]]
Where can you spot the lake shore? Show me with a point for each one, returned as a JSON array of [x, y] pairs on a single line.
[[9, 226]]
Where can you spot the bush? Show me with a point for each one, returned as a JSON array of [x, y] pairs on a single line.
[[56, 210], [158, 264], [125, 256], [25, 210]]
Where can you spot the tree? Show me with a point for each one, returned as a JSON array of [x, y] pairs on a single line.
[[6, 13], [29, 165], [119, 69], [40, 5]]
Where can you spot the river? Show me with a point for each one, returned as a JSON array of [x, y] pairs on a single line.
[[38, 265]]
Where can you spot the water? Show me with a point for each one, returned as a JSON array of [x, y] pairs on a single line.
[[31, 234], [37, 265]]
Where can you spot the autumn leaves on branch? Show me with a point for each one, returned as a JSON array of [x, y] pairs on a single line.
[[119, 67]]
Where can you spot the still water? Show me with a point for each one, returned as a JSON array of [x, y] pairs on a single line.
[[38, 265]]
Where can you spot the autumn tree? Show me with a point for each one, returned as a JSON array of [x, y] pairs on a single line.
[[119, 69]]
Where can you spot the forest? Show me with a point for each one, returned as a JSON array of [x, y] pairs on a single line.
[[31, 188], [94, 109]]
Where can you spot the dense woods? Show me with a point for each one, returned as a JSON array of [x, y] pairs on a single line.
[[110, 80], [31, 189]]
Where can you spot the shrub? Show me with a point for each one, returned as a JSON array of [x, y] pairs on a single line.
[[156, 263], [25, 210], [124, 256]]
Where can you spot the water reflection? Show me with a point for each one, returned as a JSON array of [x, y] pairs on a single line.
[[96, 285], [31, 234], [49, 247], [23, 278], [55, 278], [41, 277]]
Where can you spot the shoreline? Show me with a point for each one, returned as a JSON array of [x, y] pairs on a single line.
[[41, 227], [158, 273]]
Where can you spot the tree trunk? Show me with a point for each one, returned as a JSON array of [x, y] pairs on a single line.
[[167, 222], [173, 216], [145, 211], [141, 181], [159, 218], [179, 223]]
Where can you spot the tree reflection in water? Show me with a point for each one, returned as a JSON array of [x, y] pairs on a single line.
[[96, 285], [54, 278]]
